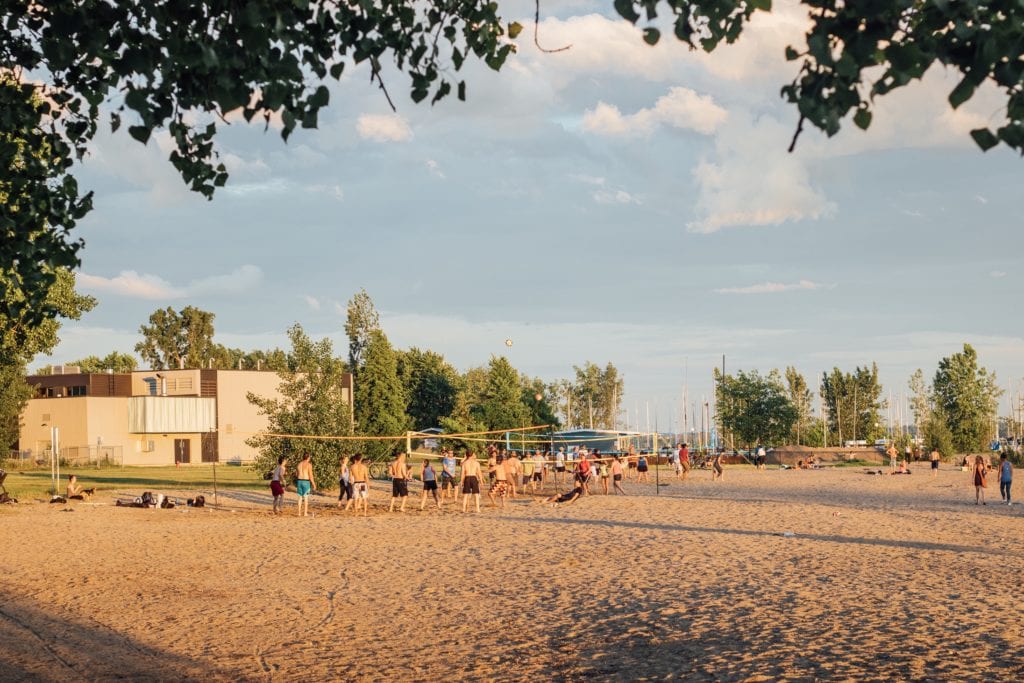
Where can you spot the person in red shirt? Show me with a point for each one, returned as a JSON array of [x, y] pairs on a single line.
[[684, 461], [583, 472]]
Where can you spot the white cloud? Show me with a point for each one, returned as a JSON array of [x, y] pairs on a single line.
[[335, 191], [753, 181], [587, 179], [997, 273], [980, 199], [311, 301], [771, 288], [680, 108], [135, 285], [383, 128], [130, 284], [616, 197], [435, 169]]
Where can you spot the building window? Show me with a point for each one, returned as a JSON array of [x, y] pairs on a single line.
[[76, 391]]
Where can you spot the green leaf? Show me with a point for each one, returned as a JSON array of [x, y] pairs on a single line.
[[791, 53], [962, 92], [514, 29], [626, 10], [651, 36], [140, 133], [862, 118], [984, 138]]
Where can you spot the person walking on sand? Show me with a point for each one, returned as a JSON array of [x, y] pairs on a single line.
[[540, 467], [277, 486], [617, 476], [935, 457], [399, 473], [684, 461], [304, 484], [980, 481], [428, 475], [606, 474], [360, 484], [344, 481], [1005, 478], [469, 481], [717, 470]]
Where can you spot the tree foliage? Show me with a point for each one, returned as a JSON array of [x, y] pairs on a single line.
[[596, 396], [430, 384], [857, 52], [502, 405], [186, 67], [754, 409], [380, 402], [114, 361], [968, 398], [174, 339], [362, 320], [854, 405], [802, 399], [936, 434], [312, 403], [920, 400], [22, 340]]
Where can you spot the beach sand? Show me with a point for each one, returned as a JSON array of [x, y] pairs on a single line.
[[883, 578]]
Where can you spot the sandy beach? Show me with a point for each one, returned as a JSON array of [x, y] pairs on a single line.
[[777, 575]]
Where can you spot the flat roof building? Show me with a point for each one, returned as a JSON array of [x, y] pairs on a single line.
[[148, 417]]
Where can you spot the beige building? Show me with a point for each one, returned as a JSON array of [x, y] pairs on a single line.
[[148, 417]]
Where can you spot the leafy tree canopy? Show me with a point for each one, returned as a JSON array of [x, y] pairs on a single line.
[[967, 395], [858, 51], [174, 339], [186, 67], [311, 403], [753, 408]]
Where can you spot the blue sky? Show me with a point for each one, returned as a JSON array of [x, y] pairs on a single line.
[[613, 202]]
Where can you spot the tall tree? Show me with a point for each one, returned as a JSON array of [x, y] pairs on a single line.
[[920, 400], [597, 396], [22, 340], [311, 403], [431, 386], [540, 404], [360, 323], [801, 398], [968, 397], [174, 339], [381, 409], [853, 401], [754, 409], [502, 406]]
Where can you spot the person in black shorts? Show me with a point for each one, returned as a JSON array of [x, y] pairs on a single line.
[[470, 480]]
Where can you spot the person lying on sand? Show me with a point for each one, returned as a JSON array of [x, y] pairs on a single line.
[[566, 498]]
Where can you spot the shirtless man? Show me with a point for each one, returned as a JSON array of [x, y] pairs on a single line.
[[513, 468], [469, 482], [360, 474], [304, 484], [500, 486], [400, 476]]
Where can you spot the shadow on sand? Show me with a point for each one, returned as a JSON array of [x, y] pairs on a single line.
[[41, 644]]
